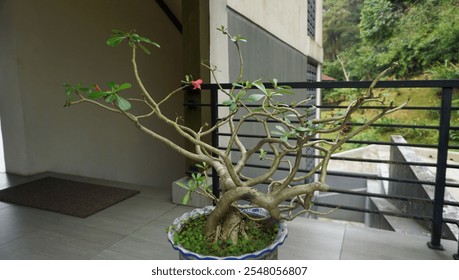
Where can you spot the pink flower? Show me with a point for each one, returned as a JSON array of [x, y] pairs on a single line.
[[196, 84]]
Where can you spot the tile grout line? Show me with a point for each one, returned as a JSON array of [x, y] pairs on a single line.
[[342, 242], [130, 234]]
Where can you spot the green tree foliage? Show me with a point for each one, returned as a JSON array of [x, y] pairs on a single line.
[[340, 26], [418, 34], [340, 33], [378, 18]]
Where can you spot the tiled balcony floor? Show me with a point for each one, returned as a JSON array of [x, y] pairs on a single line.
[[135, 229]]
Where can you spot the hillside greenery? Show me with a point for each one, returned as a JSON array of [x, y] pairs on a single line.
[[367, 36], [364, 37]]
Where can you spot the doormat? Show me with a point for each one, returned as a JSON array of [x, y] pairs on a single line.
[[65, 196]]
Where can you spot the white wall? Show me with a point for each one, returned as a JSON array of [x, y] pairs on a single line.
[[45, 43]]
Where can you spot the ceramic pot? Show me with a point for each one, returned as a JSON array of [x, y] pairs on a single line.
[[268, 253]]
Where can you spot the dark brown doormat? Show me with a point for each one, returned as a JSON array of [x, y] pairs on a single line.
[[65, 196]]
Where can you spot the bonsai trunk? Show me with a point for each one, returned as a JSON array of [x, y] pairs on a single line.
[[226, 221]]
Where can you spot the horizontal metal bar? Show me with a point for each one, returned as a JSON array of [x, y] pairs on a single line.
[[401, 163], [405, 163], [369, 194], [395, 126], [359, 175], [417, 108], [378, 212], [385, 196], [380, 143], [352, 175], [365, 210], [355, 84], [398, 126], [243, 135]]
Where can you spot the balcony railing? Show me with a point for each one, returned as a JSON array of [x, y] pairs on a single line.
[[436, 204]]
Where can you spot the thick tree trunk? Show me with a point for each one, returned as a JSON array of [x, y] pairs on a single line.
[[224, 221]]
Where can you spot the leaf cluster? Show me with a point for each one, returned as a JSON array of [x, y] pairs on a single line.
[[242, 96], [197, 183], [134, 40], [111, 95]]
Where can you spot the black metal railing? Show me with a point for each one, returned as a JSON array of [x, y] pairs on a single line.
[[445, 109]]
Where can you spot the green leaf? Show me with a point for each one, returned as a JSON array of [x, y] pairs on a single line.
[[233, 107], [111, 85], [134, 37], [285, 90], [284, 138], [110, 97], [148, 41], [196, 176], [68, 89], [263, 154], [122, 103], [280, 128], [145, 50], [124, 86], [202, 165], [115, 40], [286, 120], [255, 97], [238, 38], [278, 133], [259, 84], [240, 94], [301, 129], [182, 185], [228, 102], [237, 85], [186, 198], [231, 103], [97, 94], [85, 89], [118, 32]]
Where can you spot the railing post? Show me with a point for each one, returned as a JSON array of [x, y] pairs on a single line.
[[440, 179], [213, 120]]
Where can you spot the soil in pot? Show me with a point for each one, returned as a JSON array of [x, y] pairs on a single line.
[[257, 236]]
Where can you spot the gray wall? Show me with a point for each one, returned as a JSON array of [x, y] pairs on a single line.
[[265, 56], [45, 43], [412, 190], [347, 184]]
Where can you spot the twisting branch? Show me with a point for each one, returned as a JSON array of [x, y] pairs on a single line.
[[286, 132]]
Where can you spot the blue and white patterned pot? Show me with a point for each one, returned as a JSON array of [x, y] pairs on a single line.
[[269, 252]]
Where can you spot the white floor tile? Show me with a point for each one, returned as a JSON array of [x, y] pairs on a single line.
[[136, 229]]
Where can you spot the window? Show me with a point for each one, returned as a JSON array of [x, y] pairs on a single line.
[[312, 18], [311, 76], [311, 72]]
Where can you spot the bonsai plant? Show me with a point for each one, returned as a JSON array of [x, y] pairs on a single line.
[[287, 131]]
